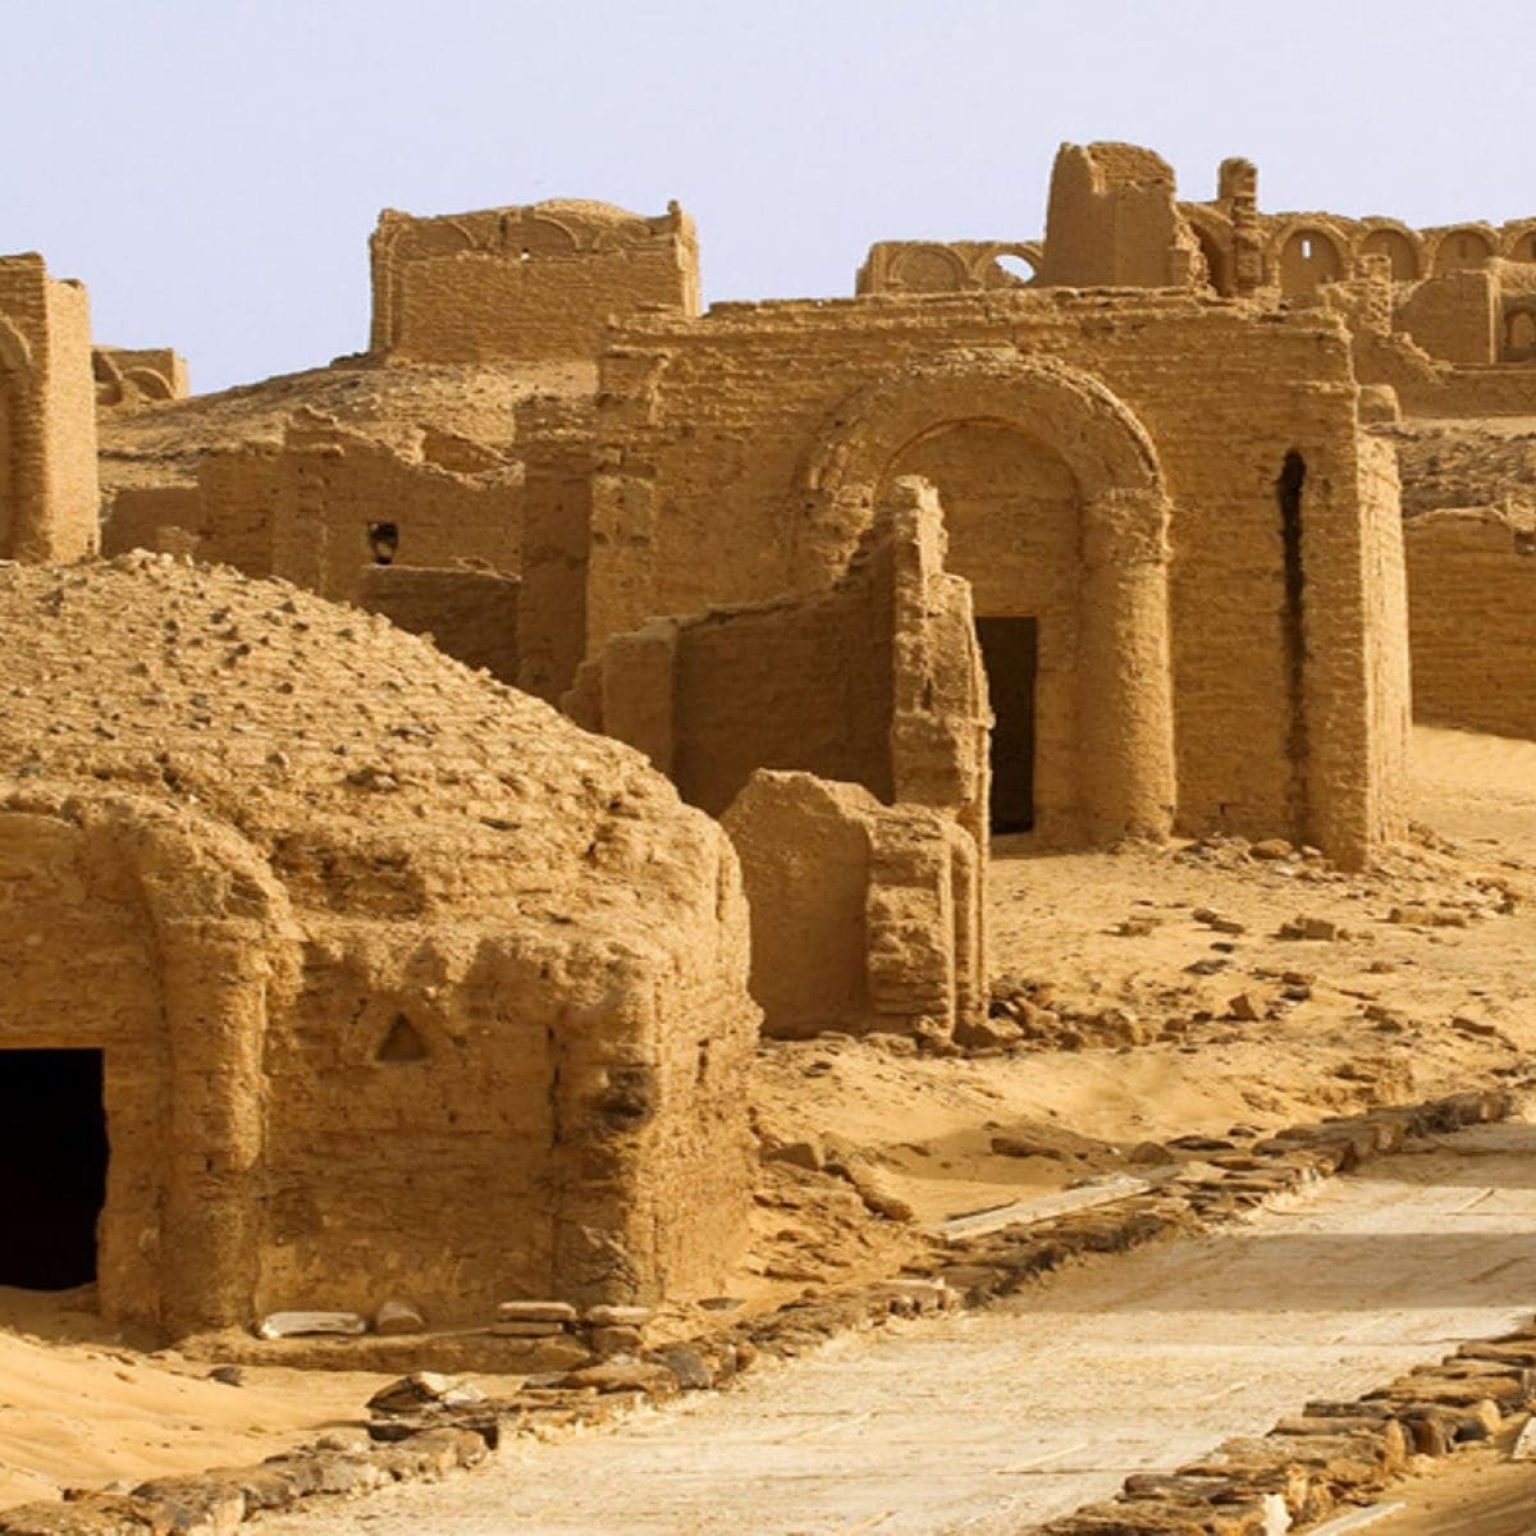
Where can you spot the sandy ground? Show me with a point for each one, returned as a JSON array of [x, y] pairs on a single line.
[[1480, 1494], [78, 1406], [989, 1422], [1389, 1012]]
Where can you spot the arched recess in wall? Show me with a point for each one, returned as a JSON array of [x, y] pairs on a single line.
[[398, 243], [1520, 243], [180, 1032], [1215, 236], [1307, 258], [1464, 250], [927, 269], [1401, 248], [1520, 333], [1084, 492], [15, 367]]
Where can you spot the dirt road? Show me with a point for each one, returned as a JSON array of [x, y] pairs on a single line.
[[983, 1424]]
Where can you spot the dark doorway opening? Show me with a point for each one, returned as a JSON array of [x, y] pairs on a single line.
[[53, 1167], [1010, 653]]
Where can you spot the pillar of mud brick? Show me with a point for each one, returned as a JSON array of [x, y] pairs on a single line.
[[48, 486]]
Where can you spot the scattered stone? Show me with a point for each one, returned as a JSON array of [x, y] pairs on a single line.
[[646, 1376], [608, 1315], [292, 1325], [397, 1317], [693, 1372], [1023, 1146], [1271, 848], [228, 1375], [1246, 1006], [807, 1153], [1314, 929], [536, 1312], [425, 1389], [988, 1033]]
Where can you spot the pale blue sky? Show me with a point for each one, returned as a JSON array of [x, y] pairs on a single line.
[[212, 168]]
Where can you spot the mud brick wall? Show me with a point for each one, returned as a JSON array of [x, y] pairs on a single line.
[[1472, 607], [1173, 419], [467, 614], [532, 283], [48, 485]]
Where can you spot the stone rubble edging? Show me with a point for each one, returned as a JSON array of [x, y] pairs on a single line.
[[1332, 1456], [1334, 1451]]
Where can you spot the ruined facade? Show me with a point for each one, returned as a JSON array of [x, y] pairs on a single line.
[[334, 510], [532, 284], [392, 981], [1185, 554], [129, 378], [48, 497]]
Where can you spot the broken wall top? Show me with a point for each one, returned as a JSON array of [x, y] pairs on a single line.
[[534, 283]]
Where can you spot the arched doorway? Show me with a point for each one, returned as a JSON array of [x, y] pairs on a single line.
[[1011, 510], [1057, 515], [133, 996]]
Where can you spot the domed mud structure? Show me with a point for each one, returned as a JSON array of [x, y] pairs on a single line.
[[389, 979]]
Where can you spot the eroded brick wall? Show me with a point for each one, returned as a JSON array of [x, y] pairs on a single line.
[[529, 283], [1472, 607], [48, 483]]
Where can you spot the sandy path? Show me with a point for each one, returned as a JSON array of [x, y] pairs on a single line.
[[982, 1424]]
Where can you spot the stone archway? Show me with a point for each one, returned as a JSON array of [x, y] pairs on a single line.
[[1088, 469], [147, 937]]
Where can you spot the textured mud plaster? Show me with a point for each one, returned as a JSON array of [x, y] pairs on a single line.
[[529, 284], [864, 916], [259, 842], [1472, 605], [47, 416]]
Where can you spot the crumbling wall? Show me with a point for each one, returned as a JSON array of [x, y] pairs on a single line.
[[1472, 611], [324, 506], [468, 614], [531, 283], [1113, 221], [48, 487], [864, 916], [874, 682], [129, 378], [555, 437]]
